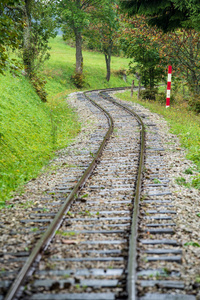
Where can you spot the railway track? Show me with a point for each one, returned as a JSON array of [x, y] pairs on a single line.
[[87, 232]]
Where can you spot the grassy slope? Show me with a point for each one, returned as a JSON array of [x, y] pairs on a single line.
[[30, 131], [183, 123], [61, 65]]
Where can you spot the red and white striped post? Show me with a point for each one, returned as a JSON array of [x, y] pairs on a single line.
[[169, 85]]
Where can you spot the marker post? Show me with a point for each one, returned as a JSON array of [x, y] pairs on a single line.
[[168, 86]]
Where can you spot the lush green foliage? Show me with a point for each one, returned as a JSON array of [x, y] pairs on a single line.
[[147, 62], [183, 123], [39, 28], [104, 29], [152, 51], [27, 25], [166, 14], [10, 30]]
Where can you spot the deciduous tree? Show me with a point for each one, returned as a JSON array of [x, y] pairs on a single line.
[[179, 48], [166, 14], [74, 18], [28, 25], [104, 29], [39, 26], [182, 48], [10, 30], [140, 43]]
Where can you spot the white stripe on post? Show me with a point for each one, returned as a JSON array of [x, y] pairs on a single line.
[[169, 85], [168, 93], [169, 77]]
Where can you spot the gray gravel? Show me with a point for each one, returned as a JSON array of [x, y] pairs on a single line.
[[186, 200]]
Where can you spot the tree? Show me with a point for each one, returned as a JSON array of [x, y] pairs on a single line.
[[39, 26], [192, 9], [139, 41], [182, 49], [166, 14], [104, 29], [74, 18], [150, 47], [10, 30], [30, 35]]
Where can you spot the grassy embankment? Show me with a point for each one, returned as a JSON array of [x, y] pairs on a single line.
[[183, 123], [31, 131]]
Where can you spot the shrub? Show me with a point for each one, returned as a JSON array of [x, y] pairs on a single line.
[[149, 94], [78, 80], [194, 103], [119, 72], [39, 83], [161, 98]]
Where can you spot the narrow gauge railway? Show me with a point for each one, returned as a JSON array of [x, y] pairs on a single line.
[[90, 246]]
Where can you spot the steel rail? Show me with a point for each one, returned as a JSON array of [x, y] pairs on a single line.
[[15, 289], [132, 257]]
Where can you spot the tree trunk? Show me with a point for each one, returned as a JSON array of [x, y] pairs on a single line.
[[132, 86], [79, 55], [108, 59], [27, 40], [151, 76], [194, 82], [139, 88]]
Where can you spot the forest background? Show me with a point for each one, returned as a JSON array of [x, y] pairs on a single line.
[[106, 43]]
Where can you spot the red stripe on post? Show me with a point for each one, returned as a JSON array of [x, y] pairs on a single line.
[[170, 69], [168, 86], [167, 102]]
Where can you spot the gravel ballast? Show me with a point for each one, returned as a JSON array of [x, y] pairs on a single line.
[[186, 201]]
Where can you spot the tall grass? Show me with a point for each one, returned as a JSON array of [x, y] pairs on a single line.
[[30, 132]]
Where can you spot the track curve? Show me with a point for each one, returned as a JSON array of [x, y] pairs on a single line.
[[95, 239], [35, 256]]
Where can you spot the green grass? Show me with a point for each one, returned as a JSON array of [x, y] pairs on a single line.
[[183, 123], [31, 131], [182, 181], [61, 66]]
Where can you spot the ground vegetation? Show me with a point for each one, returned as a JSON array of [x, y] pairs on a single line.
[[30, 130]]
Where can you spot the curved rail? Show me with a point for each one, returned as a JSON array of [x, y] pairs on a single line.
[[44, 241], [132, 262]]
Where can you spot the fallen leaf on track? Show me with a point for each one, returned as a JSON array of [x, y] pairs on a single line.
[[69, 242]]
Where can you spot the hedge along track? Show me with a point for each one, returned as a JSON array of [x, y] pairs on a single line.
[[15, 290]]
